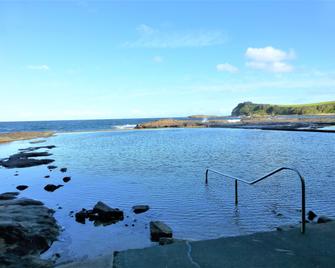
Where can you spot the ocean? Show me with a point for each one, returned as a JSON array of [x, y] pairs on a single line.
[[72, 125]]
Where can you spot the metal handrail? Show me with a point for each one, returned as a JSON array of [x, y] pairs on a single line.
[[302, 180]]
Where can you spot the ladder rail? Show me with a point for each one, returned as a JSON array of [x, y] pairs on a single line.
[[236, 179]]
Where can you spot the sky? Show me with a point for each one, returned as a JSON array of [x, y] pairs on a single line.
[[133, 59]]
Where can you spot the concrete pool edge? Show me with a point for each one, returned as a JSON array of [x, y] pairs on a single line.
[[287, 248]]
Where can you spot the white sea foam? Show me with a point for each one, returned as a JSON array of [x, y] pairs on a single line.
[[127, 126], [234, 120]]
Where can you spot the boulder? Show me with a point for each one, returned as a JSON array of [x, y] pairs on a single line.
[[52, 187], [27, 228], [64, 169], [66, 179], [107, 213], [140, 208], [21, 187], [159, 229], [81, 216]]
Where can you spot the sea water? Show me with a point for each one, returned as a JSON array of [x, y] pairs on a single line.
[[165, 169]]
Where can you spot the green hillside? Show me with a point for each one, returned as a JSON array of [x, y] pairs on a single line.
[[249, 108]]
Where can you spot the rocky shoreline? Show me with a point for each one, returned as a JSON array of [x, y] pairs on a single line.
[[264, 123], [27, 229], [15, 136]]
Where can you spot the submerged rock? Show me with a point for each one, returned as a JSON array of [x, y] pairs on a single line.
[[165, 241], [64, 169], [24, 162], [47, 176], [52, 187], [30, 149], [37, 141], [21, 187], [159, 229], [27, 228], [66, 179], [52, 167], [140, 208]]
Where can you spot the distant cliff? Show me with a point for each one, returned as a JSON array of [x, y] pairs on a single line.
[[249, 108]]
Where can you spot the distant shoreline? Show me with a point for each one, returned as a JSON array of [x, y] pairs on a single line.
[[25, 135], [309, 124]]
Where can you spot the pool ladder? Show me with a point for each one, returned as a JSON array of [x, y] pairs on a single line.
[[302, 180]]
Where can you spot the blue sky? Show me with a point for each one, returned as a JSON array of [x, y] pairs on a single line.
[[113, 59]]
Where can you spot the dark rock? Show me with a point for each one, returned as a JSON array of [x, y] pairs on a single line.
[[52, 167], [32, 154], [24, 159], [81, 216], [133, 225], [27, 228], [52, 187], [9, 195], [16, 174], [140, 208], [66, 179], [30, 149], [63, 169], [100, 214], [37, 141], [107, 213], [47, 176], [24, 162], [312, 217], [21, 187], [158, 230], [126, 225]]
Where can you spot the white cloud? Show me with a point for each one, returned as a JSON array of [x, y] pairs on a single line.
[[157, 59], [276, 67], [42, 67], [268, 54], [269, 59], [226, 67], [149, 37]]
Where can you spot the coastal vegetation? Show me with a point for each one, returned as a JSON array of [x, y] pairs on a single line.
[[253, 109]]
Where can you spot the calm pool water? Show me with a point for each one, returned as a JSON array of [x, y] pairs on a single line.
[[165, 169]]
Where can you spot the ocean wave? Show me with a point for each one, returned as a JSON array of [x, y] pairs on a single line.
[[127, 126]]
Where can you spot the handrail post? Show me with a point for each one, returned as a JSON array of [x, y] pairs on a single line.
[[303, 205], [236, 193]]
